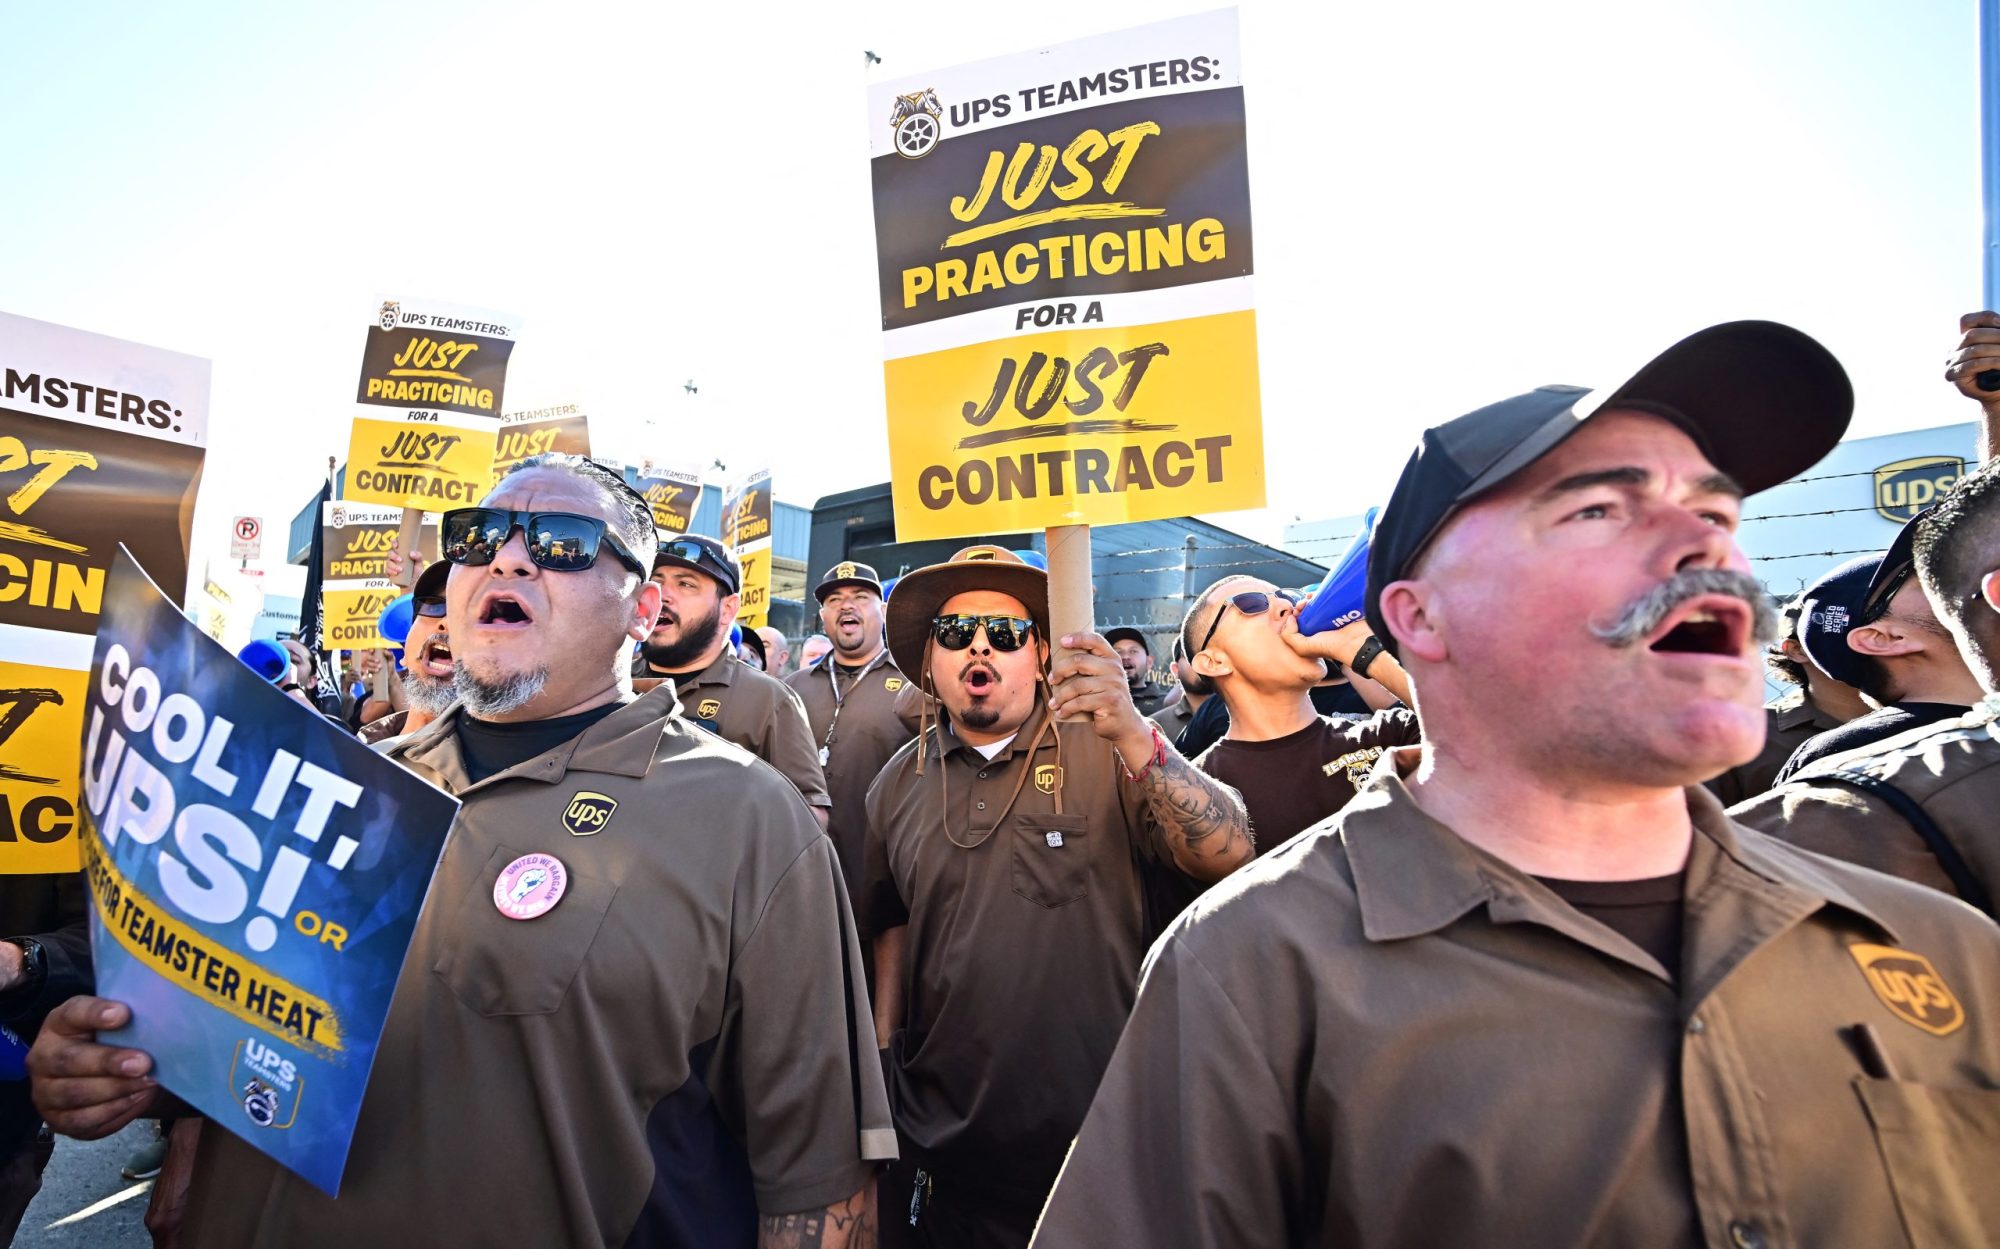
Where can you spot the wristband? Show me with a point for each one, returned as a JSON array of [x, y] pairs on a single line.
[[1365, 656], [1154, 760]]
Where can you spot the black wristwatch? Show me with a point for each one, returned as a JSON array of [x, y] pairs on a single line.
[[34, 964], [1365, 656]]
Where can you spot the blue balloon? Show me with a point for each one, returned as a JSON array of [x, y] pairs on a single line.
[[397, 617], [267, 659], [1034, 558], [1343, 595]]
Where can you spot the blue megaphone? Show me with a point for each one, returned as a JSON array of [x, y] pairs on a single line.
[[395, 620], [1034, 559], [13, 1056], [1343, 595], [267, 660], [889, 587], [735, 636]]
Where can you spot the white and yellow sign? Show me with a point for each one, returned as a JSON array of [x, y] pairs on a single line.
[[1065, 268]]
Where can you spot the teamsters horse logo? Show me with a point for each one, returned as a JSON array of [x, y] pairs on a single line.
[[390, 311], [918, 122]]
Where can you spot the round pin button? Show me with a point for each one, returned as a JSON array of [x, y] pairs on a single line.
[[530, 886]]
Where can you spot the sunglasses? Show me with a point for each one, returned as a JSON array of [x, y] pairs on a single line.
[[1005, 633], [557, 541], [1248, 603], [430, 607]]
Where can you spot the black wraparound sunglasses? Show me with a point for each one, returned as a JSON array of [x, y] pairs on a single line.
[[1248, 603], [1006, 633], [557, 541]]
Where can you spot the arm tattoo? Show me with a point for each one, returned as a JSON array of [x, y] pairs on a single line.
[[848, 1224], [1202, 814]]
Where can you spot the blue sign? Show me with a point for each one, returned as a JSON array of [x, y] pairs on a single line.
[[256, 875]]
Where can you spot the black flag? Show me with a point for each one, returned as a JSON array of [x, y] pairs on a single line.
[[312, 619]]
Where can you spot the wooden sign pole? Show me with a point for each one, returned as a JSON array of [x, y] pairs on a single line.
[[1072, 600], [387, 684]]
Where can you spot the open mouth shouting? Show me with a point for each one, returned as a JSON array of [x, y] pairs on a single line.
[[434, 658], [1709, 624], [847, 622], [979, 680], [502, 610]]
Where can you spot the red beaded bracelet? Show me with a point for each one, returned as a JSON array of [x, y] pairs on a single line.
[[1156, 759]]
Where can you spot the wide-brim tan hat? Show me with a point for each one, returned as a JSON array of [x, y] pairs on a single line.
[[920, 595]]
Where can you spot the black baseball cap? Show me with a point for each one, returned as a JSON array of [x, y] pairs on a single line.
[[1129, 634], [847, 573], [692, 550], [1849, 596], [1763, 401]]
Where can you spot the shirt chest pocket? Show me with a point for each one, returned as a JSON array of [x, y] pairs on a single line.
[[1051, 858], [1942, 1150], [501, 966]]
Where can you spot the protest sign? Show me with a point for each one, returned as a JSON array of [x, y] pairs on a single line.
[[673, 494], [432, 380], [746, 531], [101, 441], [1065, 258], [538, 431], [256, 875], [355, 585]]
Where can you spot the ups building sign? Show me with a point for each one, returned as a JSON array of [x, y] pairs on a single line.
[[1906, 487]]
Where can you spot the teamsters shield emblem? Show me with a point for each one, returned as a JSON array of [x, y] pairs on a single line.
[[1907, 487], [588, 813], [1910, 987]]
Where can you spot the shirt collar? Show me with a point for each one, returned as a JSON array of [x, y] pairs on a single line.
[[624, 743], [1413, 875]]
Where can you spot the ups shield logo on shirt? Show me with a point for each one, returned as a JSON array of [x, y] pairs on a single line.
[[1048, 777], [588, 813], [708, 710], [1907, 487], [1910, 987], [892, 684]]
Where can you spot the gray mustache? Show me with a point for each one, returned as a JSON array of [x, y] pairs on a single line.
[[1643, 614]]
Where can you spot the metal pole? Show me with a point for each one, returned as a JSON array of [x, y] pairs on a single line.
[[1989, 141], [1187, 564]]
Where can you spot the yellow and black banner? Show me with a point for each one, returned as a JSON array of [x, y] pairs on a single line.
[[1065, 263], [673, 493], [357, 539], [563, 428], [101, 442], [746, 531], [432, 383]]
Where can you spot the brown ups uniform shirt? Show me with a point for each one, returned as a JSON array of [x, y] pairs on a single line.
[[1022, 952], [858, 728], [1788, 722], [678, 1044], [1950, 771], [1379, 1035], [758, 712]]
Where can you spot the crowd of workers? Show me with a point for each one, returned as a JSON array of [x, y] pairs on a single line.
[[1506, 915]]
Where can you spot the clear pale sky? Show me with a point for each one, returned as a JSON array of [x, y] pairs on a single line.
[[1453, 202]]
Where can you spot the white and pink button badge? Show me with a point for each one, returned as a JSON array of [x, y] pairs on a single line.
[[530, 886]]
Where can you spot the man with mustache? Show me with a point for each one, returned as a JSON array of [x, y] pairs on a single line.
[[1006, 882], [850, 703], [699, 582], [664, 1044], [1532, 986], [427, 668]]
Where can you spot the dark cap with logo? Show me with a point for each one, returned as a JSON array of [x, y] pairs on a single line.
[[1763, 402], [1849, 596], [692, 550], [1127, 633], [848, 573]]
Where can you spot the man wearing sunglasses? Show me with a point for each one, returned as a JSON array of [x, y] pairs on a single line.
[[699, 582], [1533, 986], [1005, 880], [663, 1043], [427, 679], [1293, 765]]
